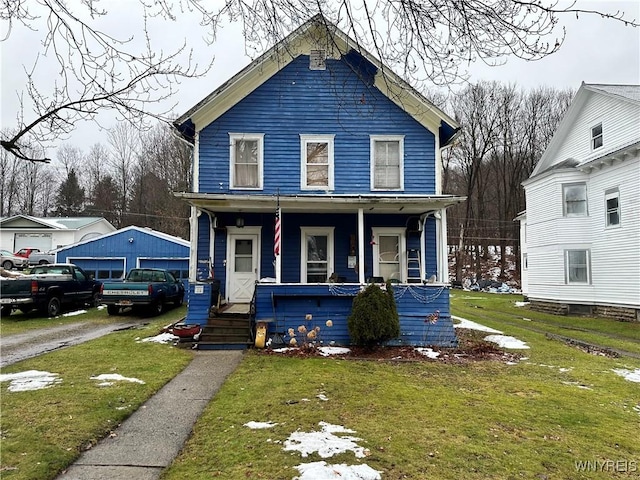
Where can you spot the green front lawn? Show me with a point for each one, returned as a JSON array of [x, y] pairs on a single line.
[[540, 418], [44, 431]]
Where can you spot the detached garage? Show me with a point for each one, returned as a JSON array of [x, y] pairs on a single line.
[[111, 256]]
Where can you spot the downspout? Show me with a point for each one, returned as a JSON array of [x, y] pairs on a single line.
[[193, 250]]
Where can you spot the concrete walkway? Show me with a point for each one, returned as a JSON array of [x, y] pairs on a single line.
[[149, 440]]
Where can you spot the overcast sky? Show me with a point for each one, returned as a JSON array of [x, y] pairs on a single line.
[[596, 50]]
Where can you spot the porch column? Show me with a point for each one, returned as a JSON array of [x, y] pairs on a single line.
[[193, 250], [443, 259], [361, 278]]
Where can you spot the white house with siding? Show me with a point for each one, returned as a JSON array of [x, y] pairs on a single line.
[[583, 208], [49, 233]]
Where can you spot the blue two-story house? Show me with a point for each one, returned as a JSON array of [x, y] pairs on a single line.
[[317, 170]]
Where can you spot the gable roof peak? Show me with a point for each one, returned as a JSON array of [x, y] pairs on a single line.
[[316, 33]]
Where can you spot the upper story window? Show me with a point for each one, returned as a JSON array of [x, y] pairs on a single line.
[[316, 162], [387, 162], [612, 207], [246, 159], [596, 136], [575, 199], [577, 266]]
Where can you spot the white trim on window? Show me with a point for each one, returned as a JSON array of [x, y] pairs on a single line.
[[577, 266], [305, 233], [305, 141], [574, 200], [612, 208], [234, 138], [597, 139], [379, 184], [400, 256]]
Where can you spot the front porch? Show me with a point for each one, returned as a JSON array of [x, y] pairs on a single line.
[[425, 319]]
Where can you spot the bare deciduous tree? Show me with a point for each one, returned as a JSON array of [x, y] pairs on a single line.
[[105, 69]]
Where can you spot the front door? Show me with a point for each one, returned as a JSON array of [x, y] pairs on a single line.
[[242, 267]]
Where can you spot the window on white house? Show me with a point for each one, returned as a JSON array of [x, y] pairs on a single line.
[[525, 261], [389, 251], [612, 207], [577, 268], [596, 136], [316, 162], [246, 160], [387, 159], [316, 254], [575, 199]]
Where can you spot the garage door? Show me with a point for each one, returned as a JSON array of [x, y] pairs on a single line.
[[101, 268], [41, 241], [179, 267]]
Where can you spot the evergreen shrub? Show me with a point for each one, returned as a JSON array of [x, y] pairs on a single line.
[[374, 317]]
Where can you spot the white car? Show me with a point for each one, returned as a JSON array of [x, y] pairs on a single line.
[[41, 258], [9, 261]]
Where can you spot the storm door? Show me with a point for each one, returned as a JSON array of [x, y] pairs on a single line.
[[242, 267]]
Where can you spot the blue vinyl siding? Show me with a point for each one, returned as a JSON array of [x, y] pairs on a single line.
[[344, 224], [301, 101], [286, 306]]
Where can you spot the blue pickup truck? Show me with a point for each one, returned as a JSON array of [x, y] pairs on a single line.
[[148, 289], [48, 288]]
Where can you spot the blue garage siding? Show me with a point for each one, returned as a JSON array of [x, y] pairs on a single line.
[[342, 104], [123, 250]]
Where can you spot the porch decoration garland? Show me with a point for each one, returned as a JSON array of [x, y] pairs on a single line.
[[416, 291]]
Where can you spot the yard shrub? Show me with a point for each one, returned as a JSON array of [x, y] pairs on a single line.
[[374, 317]]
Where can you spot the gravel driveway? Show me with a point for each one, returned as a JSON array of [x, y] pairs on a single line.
[[21, 346]]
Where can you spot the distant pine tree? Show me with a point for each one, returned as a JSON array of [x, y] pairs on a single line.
[[70, 197]]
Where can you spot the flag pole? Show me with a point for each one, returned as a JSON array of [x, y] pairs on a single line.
[[277, 240]]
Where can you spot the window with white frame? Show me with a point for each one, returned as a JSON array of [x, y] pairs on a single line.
[[316, 254], [316, 152], [612, 207], [387, 162], [525, 261], [596, 136], [575, 199], [577, 268], [246, 160], [389, 251]]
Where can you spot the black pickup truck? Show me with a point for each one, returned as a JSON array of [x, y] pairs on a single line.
[[48, 288]]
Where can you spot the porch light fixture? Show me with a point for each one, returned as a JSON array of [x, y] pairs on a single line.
[[240, 222]]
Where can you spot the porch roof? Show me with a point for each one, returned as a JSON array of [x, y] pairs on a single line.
[[371, 204]]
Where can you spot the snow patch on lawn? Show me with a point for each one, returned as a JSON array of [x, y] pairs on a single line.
[[631, 375], [107, 379], [30, 380], [73, 314], [428, 352], [326, 351], [469, 325], [521, 304], [324, 442], [505, 341], [260, 425], [162, 338], [323, 471]]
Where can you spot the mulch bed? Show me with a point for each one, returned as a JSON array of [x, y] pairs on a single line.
[[471, 348]]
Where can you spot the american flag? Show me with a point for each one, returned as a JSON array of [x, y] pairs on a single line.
[[276, 236]]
